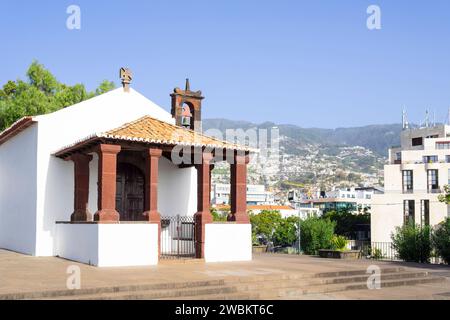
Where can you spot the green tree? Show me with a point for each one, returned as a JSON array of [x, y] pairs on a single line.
[[413, 243], [265, 223], [347, 223], [286, 232], [316, 233], [41, 93], [441, 240], [218, 216]]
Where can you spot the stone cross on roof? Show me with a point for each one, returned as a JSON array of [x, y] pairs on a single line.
[[126, 76]]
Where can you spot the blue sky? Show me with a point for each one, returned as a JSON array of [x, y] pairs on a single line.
[[312, 63]]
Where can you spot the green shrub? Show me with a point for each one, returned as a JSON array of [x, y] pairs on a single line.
[[218, 216], [339, 243], [286, 232], [377, 254], [316, 234], [441, 240], [264, 224], [413, 243]]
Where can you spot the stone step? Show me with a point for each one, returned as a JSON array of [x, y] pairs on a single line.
[[228, 286], [329, 280], [158, 294], [323, 289], [253, 289], [113, 289]]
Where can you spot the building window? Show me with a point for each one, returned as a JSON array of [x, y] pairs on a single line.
[[408, 212], [433, 180], [430, 159], [448, 176], [407, 181], [417, 142], [424, 212], [443, 145], [398, 158]]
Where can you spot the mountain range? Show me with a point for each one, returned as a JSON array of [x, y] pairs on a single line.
[[377, 138]]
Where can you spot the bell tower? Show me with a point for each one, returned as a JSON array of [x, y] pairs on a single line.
[[187, 108]]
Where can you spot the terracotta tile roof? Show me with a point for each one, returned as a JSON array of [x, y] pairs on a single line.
[[151, 130], [16, 128]]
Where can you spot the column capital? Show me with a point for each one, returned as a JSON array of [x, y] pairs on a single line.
[[109, 148], [80, 156], [154, 152]]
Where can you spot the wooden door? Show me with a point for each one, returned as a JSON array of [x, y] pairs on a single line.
[[129, 192]]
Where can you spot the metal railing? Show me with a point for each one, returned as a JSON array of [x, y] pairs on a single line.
[[177, 237], [375, 250]]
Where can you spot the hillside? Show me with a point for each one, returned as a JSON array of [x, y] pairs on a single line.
[[319, 157]]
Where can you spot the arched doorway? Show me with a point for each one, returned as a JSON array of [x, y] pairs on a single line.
[[129, 192]]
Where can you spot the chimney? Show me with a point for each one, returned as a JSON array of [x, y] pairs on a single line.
[[126, 76], [187, 108]]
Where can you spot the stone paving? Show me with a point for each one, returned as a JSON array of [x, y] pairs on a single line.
[[22, 273]]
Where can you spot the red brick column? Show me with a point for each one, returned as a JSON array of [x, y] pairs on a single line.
[[151, 213], [238, 192], [203, 215], [107, 169], [81, 191]]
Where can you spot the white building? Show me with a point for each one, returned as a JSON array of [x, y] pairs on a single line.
[[256, 194], [357, 200], [414, 177], [98, 182]]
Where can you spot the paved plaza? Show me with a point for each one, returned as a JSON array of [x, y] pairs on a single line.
[[21, 274]]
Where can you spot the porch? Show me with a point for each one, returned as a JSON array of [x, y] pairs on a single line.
[[128, 228]]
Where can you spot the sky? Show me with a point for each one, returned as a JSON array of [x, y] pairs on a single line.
[[313, 63]]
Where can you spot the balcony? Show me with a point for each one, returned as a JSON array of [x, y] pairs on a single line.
[[435, 190]]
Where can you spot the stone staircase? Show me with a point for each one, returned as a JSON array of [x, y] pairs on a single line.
[[273, 286]]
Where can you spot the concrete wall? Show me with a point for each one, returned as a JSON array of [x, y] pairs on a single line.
[[387, 213], [18, 172], [108, 245], [228, 242], [177, 189], [55, 183]]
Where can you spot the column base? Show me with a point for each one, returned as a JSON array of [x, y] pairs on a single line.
[[238, 217], [81, 216], [200, 219], [151, 216], [154, 217], [107, 215]]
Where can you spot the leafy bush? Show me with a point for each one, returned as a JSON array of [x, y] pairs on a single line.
[[413, 243], [286, 232], [347, 223], [264, 225], [316, 234], [377, 254], [339, 243], [218, 216], [441, 240]]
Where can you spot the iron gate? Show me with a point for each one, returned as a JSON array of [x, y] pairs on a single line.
[[177, 237]]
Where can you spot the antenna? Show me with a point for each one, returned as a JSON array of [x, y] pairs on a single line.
[[448, 116], [427, 119], [405, 124]]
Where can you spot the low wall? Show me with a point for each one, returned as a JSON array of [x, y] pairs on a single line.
[[228, 242], [108, 245]]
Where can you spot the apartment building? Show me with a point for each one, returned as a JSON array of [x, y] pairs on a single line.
[[414, 178], [256, 195]]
